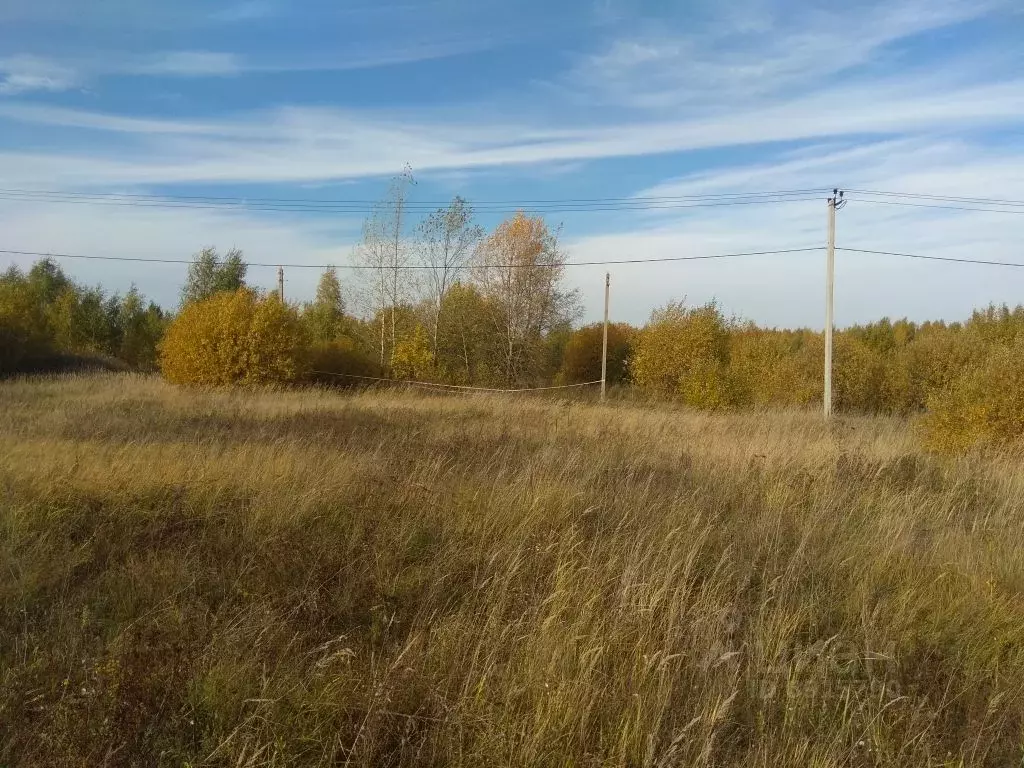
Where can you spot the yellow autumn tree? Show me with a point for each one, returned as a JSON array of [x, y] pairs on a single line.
[[234, 338], [768, 369], [683, 353], [983, 406], [520, 271], [413, 358], [581, 358]]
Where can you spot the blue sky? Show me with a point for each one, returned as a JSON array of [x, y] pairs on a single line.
[[526, 101]]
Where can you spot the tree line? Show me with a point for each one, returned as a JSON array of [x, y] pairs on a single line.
[[453, 304], [442, 300], [49, 322], [965, 378]]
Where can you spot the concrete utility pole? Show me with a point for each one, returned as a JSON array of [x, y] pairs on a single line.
[[280, 283], [834, 204], [604, 344]]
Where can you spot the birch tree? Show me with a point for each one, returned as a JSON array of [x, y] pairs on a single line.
[[520, 269], [209, 274], [447, 239], [386, 256]]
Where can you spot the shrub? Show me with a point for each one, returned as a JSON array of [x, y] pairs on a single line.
[[858, 374], [769, 369], [15, 342], [413, 358], [931, 362], [234, 338], [984, 406], [581, 358], [786, 368], [996, 325], [684, 353], [331, 361], [24, 333]]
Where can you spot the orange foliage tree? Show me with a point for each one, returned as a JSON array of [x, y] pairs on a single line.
[[519, 271]]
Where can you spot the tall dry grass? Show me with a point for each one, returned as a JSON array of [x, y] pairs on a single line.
[[305, 578]]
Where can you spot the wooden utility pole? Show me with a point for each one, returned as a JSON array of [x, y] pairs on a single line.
[[834, 203], [604, 343], [280, 284]]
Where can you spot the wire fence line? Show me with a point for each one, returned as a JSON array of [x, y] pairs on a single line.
[[456, 387]]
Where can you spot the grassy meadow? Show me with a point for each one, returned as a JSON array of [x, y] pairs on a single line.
[[314, 578]]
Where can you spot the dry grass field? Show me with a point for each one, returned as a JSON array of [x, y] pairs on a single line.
[[228, 578]]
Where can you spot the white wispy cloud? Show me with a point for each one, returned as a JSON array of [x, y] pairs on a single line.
[[248, 10], [25, 74], [133, 15], [301, 144], [937, 166], [755, 50], [189, 64], [787, 290], [836, 81]]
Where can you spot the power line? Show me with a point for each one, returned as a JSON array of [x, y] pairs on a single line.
[[942, 207], [934, 258], [635, 200], [700, 257], [356, 207], [549, 205], [609, 262], [943, 198]]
